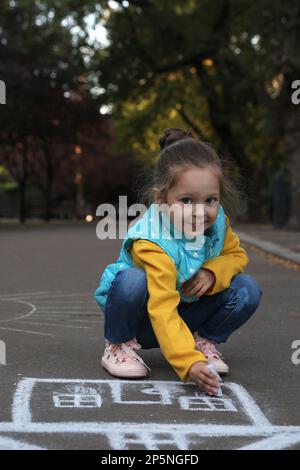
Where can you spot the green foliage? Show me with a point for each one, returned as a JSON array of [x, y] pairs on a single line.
[[226, 64], [221, 67]]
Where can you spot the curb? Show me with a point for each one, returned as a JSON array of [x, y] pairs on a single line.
[[270, 247]]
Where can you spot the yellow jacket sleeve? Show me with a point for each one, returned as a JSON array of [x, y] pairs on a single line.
[[173, 335], [232, 260]]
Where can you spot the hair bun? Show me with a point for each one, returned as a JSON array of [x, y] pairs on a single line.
[[173, 134]]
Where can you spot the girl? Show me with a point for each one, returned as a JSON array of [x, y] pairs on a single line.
[[178, 294]]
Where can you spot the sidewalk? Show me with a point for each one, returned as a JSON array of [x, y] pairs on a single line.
[[279, 242]]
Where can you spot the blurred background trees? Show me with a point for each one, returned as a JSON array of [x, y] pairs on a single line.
[[92, 84]]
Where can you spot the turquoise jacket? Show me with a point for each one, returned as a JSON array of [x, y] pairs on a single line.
[[187, 255]]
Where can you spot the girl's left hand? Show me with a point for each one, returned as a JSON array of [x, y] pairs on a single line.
[[200, 283]]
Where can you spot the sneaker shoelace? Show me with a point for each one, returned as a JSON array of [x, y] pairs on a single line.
[[123, 350]]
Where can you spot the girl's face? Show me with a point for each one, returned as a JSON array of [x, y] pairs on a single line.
[[194, 186]]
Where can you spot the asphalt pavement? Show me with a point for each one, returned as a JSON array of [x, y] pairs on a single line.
[[55, 395]]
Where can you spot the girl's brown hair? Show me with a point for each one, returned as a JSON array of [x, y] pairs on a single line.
[[182, 149]]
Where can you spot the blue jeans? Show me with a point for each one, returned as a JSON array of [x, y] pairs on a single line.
[[214, 317]]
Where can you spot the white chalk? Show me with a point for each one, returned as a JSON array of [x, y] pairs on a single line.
[[212, 368]]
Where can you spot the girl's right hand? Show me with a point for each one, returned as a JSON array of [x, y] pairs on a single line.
[[204, 377]]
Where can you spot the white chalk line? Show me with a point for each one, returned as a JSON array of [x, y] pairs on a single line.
[[280, 441], [21, 401], [249, 405], [7, 443], [33, 309], [275, 437], [68, 319], [26, 294], [21, 406], [71, 312], [49, 294], [52, 324], [98, 427], [67, 302], [18, 330], [87, 295], [58, 317], [63, 308]]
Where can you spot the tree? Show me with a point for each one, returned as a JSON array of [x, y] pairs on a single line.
[[158, 49], [48, 90]]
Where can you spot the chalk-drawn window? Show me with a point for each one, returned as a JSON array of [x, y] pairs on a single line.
[[69, 400], [147, 440], [205, 403]]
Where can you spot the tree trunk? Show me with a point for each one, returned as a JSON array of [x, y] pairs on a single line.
[[291, 116], [23, 184], [49, 182], [231, 147], [22, 201], [292, 145], [47, 206]]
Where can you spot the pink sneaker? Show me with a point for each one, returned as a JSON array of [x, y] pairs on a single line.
[[120, 360], [211, 353]]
